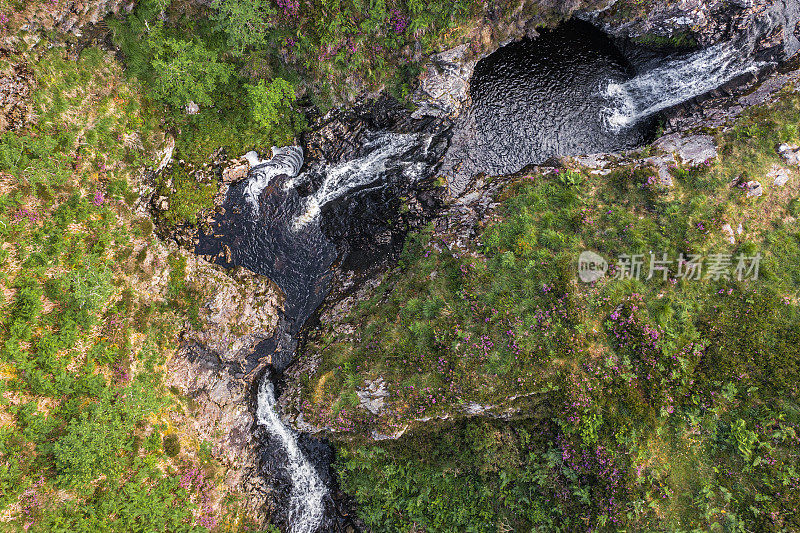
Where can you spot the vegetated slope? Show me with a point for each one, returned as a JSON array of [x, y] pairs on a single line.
[[643, 404], [89, 438]]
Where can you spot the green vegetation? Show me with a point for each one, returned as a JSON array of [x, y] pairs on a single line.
[[83, 408], [635, 405], [185, 71], [187, 194], [186, 60], [271, 104], [678, 40], [653, 404]]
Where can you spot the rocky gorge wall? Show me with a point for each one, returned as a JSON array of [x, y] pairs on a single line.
[[771, 28], [459, 224], [62, 16]]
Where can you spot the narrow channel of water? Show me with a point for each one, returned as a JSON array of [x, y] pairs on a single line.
[[307, 509]]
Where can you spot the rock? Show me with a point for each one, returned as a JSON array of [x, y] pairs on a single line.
[[739, 229], [169, 148], [779, 175], [220, 416], [373, 396], [15, 90], [239, 309], [663, 164], [67, 17], [754, 189], [790, 153], [444, 84], [692, 150], [191, 108], [596, 162], [728, 231], [235, 173]]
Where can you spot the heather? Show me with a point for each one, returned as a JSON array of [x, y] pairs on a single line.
[[87, 442], [661, 403]]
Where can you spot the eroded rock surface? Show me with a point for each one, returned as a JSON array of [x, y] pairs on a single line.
[[61, 16], [692, 150]]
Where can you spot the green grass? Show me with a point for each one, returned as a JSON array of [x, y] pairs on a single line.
[[666, 404], [80, 431]]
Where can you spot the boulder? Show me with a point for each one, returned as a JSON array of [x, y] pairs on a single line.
[[235, 172], [790, 153], [373, 395], [779, 175], [754, 189], [444, 84], [663, 164], [238, 310]]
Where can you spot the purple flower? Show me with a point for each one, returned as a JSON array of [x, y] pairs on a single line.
[[290, 7], [98, 198], [398, 21]]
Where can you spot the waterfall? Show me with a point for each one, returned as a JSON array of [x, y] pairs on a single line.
[[285, 160], [384, 152], [308, 490], [673, 82]]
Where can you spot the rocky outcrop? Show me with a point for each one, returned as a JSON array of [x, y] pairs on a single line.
[[222, 415], [691, 150], [444, 84], [15, 89], [62, 16], [767, 29], [239, 311], [216, 366]]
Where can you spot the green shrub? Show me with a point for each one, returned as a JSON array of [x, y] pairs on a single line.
[[172, 446], [187, 71], [271, 106]]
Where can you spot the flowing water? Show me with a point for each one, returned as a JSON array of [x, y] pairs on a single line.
[[384, 151], [571, 91], [275, 224], [568, 92], [306, 510], [285, 161], [672, 82]]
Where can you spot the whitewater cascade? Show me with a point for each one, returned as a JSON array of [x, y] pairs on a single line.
[[672, 82], [286, 160], [308, 490], [383, 152]]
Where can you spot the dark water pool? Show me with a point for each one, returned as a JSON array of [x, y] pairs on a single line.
[[544, 97]]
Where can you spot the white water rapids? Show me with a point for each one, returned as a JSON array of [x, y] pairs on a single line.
[[364, 171], [308, 490], [285, 160], [673, 82], [383, 152]]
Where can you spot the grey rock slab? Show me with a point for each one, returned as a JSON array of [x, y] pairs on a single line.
[[692, 150]]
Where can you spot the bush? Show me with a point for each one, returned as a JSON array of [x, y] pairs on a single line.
[[247, 23], [172, 445], [271, 106], [187, 71]]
